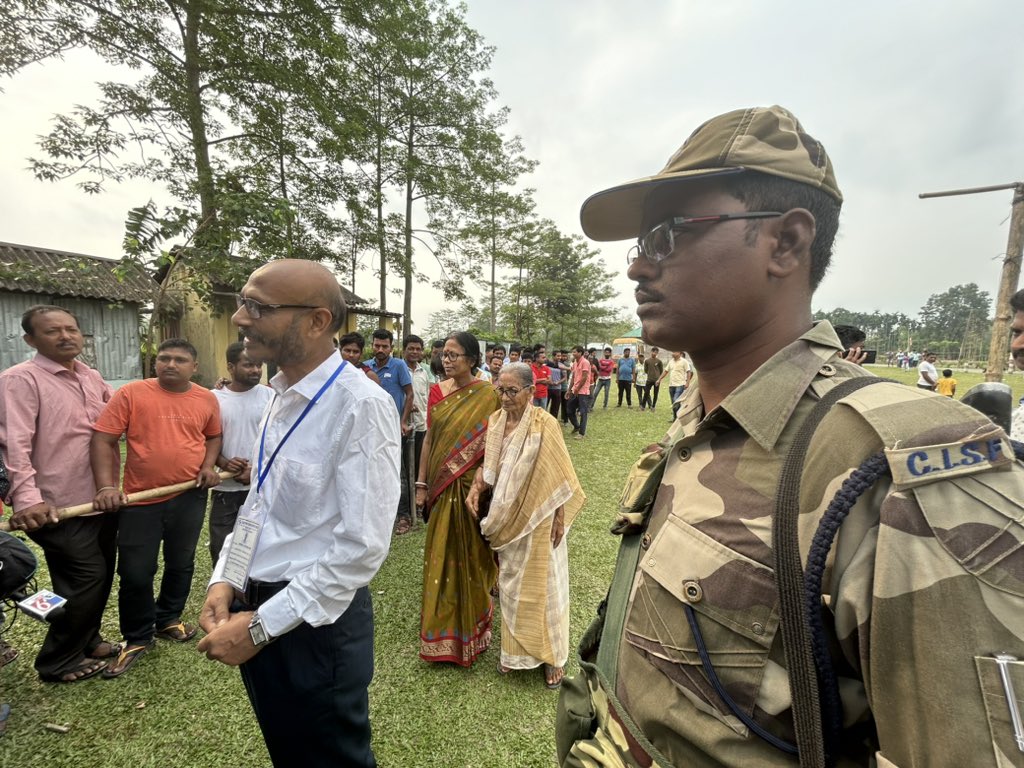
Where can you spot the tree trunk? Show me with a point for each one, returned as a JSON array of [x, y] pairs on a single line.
[[407, 306], [197, 117]]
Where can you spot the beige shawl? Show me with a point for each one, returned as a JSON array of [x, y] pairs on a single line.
[[531, 476]]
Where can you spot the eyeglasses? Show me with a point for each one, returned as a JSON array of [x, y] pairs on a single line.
[[256, 309], [509, 392], [659, 242], [446, 355]]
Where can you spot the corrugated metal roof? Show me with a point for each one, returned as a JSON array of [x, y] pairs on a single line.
[[29, 269]]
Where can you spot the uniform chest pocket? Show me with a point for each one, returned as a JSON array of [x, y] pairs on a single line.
[[736, 610]]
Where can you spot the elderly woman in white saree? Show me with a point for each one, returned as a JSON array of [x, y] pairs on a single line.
[[534, 497]]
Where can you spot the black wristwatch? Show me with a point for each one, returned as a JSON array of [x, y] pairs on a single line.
[[257, 632]]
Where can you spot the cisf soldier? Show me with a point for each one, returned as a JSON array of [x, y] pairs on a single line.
[[903, 632]]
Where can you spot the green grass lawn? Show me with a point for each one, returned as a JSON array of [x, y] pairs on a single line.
[[178, 709], [964, 379]]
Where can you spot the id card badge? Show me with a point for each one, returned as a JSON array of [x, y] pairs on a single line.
[[244, 538]]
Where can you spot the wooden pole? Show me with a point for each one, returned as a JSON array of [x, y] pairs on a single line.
[[1000, 340], [999, 346]]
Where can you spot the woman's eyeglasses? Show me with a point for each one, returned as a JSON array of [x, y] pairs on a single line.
[[446, 355], [508, 392]]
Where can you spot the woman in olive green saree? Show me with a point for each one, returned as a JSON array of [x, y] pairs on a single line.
[[459, 569]]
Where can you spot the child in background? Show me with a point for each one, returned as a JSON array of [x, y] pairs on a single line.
[[947, 384]]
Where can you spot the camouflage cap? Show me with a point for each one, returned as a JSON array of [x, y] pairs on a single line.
[[765, 139]]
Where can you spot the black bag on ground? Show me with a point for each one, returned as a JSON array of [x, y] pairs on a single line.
[[17, 564]]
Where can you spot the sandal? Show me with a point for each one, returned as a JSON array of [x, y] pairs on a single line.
[[403, 526], [8, 653], [85, 669], [551, 672], [127, 659], [503, 670], [178, 633], [105, 650]]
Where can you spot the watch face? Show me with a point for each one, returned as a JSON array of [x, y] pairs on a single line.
[[257, 634]]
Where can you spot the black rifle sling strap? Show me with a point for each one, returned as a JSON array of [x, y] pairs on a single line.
[[789, 579]]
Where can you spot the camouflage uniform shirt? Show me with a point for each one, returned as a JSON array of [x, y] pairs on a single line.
[[925, 582]]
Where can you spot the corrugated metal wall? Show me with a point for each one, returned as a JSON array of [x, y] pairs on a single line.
[[111, 331]]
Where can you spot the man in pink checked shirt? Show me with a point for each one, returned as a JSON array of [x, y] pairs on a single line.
[[47, 407]]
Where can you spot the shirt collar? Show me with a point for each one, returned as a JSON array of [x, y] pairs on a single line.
[[763, 404], [309, 384], [52, 366]]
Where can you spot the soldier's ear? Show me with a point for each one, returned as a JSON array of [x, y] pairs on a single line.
[[790, 236]]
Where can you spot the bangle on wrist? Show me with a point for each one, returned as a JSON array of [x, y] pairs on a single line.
[[106, 488], [421, 485]]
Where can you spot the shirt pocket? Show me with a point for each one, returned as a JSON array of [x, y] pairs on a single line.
[[997, 706], [298, 497], [736, 609]]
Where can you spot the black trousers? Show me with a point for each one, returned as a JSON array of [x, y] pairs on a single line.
[[141, 529], [80, 556], [556, 404], [652, 394], [224, 506], [641, 395], [626, 386], [309, 687]]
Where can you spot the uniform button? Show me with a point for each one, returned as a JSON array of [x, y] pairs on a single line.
[[645, 542], [652, 562], [827, 370], [758, 628], [692, 591], [684, 453]]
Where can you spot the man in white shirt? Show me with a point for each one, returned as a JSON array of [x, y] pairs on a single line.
[[422, 380], [242, 402], [315, 527], [679, 372], [927, 376]]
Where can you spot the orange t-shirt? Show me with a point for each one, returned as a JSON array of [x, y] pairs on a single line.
[[166, 431]]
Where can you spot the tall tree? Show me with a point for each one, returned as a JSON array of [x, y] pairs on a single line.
[[421, 72], [204, 71], [948, 316]]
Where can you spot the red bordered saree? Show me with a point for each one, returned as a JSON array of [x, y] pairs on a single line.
[[458, 565]]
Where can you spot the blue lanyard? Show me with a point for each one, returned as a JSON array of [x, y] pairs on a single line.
[[261, 473]]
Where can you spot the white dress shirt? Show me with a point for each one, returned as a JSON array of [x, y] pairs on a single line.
[[241, 415], [330, 498]]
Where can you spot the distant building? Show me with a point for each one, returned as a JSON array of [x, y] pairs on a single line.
[[106, 295]]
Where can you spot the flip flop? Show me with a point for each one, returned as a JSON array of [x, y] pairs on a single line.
[[549, 671], [8, 653], [126, 660], [503, 670], [82, 671]]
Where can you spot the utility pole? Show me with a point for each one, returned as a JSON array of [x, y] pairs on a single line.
[[999, 346]]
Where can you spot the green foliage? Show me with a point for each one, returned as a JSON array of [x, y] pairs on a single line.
[[954, 323]]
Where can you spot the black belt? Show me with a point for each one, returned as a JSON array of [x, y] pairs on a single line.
[[258, 592]]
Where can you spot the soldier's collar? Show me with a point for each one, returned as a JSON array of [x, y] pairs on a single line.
[[764, 403]]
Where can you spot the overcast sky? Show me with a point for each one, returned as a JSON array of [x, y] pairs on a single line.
[[906, 97]]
